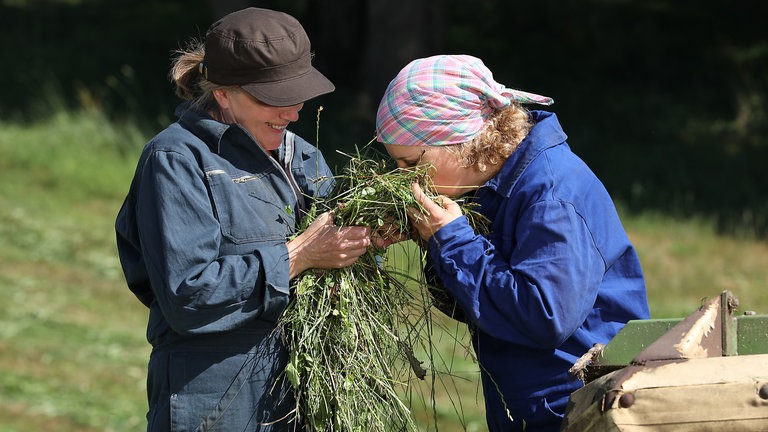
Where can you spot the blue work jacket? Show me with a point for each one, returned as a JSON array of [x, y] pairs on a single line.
[[202, 241], [556, 274]]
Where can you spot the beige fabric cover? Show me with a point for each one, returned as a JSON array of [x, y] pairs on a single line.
[[702, 394]]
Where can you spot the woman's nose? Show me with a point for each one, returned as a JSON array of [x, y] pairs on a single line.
[[291, 113]]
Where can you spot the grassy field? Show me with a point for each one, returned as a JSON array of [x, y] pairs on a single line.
[[72, 347]]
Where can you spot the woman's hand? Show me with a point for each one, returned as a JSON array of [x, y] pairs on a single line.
[[325, 245], [387, 235], [435, 216]]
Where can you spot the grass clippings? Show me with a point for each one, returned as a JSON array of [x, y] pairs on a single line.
[[352, 332]]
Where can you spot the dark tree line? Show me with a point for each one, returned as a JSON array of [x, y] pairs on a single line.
[[665, 99]]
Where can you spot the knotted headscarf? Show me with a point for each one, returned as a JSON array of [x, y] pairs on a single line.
[[443, 100]]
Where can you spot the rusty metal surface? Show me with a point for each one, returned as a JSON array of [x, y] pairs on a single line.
[[699, 335]]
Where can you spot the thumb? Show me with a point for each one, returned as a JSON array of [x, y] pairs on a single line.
[[325, 218], [448, 203]]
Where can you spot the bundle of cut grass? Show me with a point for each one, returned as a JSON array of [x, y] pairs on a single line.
[[351, 331]]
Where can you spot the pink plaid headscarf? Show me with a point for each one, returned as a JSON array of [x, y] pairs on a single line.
[[443, 100]]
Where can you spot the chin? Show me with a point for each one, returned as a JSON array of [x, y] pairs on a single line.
[[271, 144], [449, 192]]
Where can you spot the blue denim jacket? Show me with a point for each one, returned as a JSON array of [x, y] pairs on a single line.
[[556, 275], [201, 238]]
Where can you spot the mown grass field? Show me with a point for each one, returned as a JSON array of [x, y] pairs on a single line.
[[72, 347]]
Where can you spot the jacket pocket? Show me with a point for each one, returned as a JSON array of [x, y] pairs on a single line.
[[228, 391], [251, 207]]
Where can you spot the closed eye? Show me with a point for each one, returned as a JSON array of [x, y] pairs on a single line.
[[409, 163], [412, 162]]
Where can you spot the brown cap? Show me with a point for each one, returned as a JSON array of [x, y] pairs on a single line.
[[265, 52]]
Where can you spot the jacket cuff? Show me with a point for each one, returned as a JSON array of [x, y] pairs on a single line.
[[276, 266]]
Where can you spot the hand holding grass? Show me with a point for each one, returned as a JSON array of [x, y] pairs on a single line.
[[433, 215], [324, 245], [387, 235]]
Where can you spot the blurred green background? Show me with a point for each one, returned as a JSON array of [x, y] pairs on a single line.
[[666, 100]]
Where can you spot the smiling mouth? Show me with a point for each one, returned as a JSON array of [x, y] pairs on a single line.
[[277, 127]]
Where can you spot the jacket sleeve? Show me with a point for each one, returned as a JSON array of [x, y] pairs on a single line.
[[198, 289], [537, 297]]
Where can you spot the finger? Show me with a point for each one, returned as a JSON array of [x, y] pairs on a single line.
[[324, 219], [381, 242], [358, 245], [414, 215], [422, 198], [352, 254], [452, 208], [355, 232], [418, 193], [448, 203]]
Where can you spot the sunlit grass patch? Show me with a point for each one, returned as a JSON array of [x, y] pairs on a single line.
[[686, 261]]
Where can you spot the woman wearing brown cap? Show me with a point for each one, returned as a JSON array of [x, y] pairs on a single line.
[[203, 233]]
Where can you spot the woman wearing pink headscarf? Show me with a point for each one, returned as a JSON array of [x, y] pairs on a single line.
[[556, 273]]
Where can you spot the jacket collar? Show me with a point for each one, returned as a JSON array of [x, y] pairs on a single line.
[[546, 133], [202, 125]]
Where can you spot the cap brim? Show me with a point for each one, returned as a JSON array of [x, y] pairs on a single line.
[[291, 91]]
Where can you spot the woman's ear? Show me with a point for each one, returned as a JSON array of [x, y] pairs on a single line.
[[222, 98]]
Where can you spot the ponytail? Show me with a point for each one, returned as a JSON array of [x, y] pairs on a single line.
[[185, 74]]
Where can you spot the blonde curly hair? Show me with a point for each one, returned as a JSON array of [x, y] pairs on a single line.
[[503, 132]]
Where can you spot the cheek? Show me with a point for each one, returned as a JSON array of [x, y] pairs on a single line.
[[449, 180], [443, 171], [443, 179]]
